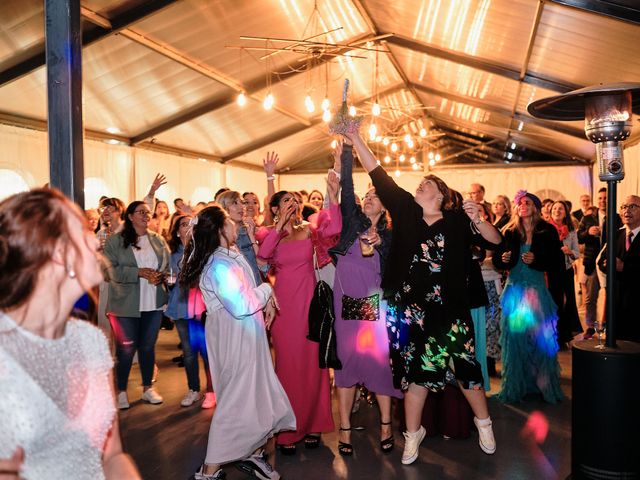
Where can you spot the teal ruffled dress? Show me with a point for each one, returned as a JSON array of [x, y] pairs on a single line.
[[529, 337]]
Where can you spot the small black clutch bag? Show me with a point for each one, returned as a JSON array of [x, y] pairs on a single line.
[[367, 308]]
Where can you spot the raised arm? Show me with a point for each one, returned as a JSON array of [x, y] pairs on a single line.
[[269, 163], [365, 155], [348, 206], [151, 195], [227, 280]]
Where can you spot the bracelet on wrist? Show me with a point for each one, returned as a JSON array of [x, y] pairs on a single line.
[[479, 221], [270, 178]]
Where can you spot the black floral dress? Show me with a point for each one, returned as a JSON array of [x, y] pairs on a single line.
[[426, 340]]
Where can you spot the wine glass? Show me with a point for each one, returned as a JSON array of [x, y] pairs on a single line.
[[600, 328]]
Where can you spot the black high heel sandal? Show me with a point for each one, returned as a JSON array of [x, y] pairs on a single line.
[[387, 444], [289, 449], [345, 449], [311, 441]]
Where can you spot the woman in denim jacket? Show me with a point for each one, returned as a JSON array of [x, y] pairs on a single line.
[[185, 308], [360, 325]]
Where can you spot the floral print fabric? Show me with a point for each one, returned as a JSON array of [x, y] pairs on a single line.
[[425, 342]]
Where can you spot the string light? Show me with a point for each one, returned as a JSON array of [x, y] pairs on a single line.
[[423, 132], [385, 141], [375, 110], [412, 160], [407, 138], [397, 172], [326, 116], [430, 155], [334, 143], [438, 157], [241, 99], [414, 166], [268, 101], [432, 162], [394, 147], [325, 104], [352, 111], [372, 131], [410, 144], [402, 158], [387, 159], [308, 102]]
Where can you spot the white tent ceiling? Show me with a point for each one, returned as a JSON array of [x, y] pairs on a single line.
[[159, 72]]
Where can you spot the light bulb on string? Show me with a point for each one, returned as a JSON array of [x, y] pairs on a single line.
[[402, 158], [241, 99], [352, 111], [397, 172], [325, 104], [438, 157], [430, 155], [412, 160], [373, 130], [375, 110], [423, 132], [334, 143], [308, 102], [326, 116], [387, 159], [407, 138], [432, 162], [268, 101], [410, 144], [385, 141], [394, 147], [414, 166]]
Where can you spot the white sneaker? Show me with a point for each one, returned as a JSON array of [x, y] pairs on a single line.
[[190, 398], [412, 443], [209, 400], [122, 401], [485, 435], [257, 466], [152, 397], [217, 475]]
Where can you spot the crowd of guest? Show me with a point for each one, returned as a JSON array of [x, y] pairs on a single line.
[[432, 293]]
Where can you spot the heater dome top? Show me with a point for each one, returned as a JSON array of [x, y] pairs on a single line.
[[571, 106]]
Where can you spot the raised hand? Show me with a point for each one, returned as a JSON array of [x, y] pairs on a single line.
[[284, 215], [472, 209], [333, 185], [157, 183], [270, 162], [337, 153]]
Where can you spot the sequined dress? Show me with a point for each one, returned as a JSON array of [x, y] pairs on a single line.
[[56, 401], [529, 337], [424, 338]]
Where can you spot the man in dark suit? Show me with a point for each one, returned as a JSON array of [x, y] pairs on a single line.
[[589, 232], [627, 274], [585, 202]]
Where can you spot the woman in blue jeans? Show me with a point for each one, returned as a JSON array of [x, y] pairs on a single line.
[[137, 295], [185, 308]]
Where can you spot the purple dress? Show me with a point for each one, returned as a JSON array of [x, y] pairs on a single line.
[[363, 345]]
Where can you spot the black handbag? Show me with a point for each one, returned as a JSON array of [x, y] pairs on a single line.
[[321, 323]]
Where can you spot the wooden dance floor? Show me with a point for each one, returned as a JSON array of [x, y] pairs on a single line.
[[168, 442]]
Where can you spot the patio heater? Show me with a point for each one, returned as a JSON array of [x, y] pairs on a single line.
[[605, 389]]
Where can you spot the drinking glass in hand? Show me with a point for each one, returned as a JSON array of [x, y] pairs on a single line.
[[600, 327]]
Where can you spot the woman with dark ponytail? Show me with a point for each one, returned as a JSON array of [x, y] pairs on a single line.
[[252, 405]]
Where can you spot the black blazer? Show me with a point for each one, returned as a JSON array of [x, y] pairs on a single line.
[[578, 214], [593, 243], [627, 286], [545, 246], [406, 216]]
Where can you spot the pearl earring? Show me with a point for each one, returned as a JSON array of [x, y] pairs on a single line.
[[71, 272]]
